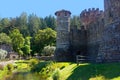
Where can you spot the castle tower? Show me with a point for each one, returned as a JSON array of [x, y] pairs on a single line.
[[63, 29], [63, 22], [112, 10]]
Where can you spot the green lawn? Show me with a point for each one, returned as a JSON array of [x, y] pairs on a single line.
[[68, 71], [86, 71], [109, 71]]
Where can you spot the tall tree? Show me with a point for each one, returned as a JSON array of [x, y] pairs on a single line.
[[1, 28], [75, 20], [17, 40], [33, 24], [43, 24], [21, 23], [51, 22], [4, 24]]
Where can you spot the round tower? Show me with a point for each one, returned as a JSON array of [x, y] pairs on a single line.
[[112, 11], [63, 29]]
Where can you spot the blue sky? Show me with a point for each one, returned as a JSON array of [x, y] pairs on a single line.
[[42, 8]]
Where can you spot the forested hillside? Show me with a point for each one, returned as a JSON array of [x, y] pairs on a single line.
[[29, 34]]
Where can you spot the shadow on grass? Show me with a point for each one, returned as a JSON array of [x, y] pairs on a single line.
[[85, 72], [38, 67]]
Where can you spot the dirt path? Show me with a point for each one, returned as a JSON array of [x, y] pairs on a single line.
[[4, 63]]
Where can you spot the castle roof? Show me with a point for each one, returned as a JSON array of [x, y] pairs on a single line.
[[62, 11]]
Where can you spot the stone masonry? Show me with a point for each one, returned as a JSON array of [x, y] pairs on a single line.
[[109, 50], [63, 30], [98, 38]]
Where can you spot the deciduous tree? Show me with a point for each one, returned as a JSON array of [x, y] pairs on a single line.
[[4, 39], [17, 40], [43, 38]]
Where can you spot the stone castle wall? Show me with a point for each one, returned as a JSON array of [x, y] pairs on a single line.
[[109, 50], [93, 20], [78, 39], [98, 38], [112, 10]]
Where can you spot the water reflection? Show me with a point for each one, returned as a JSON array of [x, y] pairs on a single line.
[[25, 76]]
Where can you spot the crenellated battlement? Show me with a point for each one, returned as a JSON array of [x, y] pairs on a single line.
[[91, 15], [98, 38]]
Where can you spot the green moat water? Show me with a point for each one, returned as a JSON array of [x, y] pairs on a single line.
[[24, 76]]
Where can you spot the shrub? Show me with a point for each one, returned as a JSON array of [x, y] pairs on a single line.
[[47, 71], [38, 67], [10, 67], [56, 75], [33, 62], [48, 50], [3, 54], [3, 73]]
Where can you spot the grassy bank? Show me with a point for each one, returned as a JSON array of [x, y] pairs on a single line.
[[42, 70], [86, 71], [109, 71]]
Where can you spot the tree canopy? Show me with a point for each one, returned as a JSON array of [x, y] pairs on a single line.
[[41, 32], [4, 39], [17, 40], [43, 38]]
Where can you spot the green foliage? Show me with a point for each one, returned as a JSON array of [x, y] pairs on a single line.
[[33, 23], [10, 67], [48, 50], [43, 38], [26, 48], [56, 75], [22, 65], [50, 22], [67, 71], [17, 40], [21, 24], [38, 67], [4, 39], [27, 25], [43, 23], [3, 54], [5, 22], [3, 73], [47, 71], [22, 19], [75, 20], [70, 71], [33, 62], [5, 25]]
